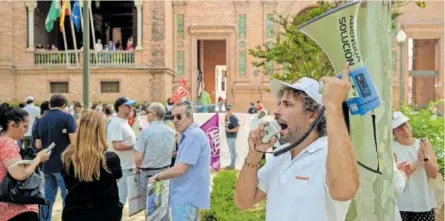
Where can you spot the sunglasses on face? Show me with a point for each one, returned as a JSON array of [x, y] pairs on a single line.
[[178, 116]]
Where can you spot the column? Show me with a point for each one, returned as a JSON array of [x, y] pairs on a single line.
[[31, 5], [138, 4]]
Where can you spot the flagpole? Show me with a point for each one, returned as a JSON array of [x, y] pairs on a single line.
[[66, 46], [92, 30], [72, 32]]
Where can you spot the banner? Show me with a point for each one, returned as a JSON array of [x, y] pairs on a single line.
[[180, 92], [158, 194], [211, 128]]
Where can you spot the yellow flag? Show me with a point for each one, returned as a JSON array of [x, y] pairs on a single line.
[[63, 13]]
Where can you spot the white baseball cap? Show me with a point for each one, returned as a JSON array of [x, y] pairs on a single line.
[[29, 98], [305, 84], [398, 119]]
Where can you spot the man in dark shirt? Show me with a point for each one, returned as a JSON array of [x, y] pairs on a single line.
[[58, 127], [232, 128], [252, 109]]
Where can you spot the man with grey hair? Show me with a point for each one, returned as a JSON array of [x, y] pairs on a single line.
[[190, 176], [155, 145]]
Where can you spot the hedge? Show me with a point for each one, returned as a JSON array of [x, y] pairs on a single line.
[[223, 207], [427, 122]]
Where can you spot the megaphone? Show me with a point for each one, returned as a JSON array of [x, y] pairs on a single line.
[[336, 33]]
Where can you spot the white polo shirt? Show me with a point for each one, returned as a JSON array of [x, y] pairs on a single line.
[[296, 189], [119, 130]]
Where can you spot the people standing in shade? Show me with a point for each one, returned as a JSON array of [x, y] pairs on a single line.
[[58, 127], [14, 123], [417, 159], [190, 176], [90, 174], [232, 128], [154, 146], [33, 113], [121, 140]]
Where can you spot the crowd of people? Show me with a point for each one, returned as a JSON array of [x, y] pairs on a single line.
[[97, 150]]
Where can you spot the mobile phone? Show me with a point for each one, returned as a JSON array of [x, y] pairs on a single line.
[[50, 147], [273, 129]]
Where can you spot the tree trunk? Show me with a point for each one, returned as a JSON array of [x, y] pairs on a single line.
[[375, 198]]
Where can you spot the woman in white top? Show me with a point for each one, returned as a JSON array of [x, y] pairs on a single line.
[[417, 159], [399, 185]]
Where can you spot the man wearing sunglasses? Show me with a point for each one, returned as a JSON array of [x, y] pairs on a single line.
[[315, 180], [190, 184]]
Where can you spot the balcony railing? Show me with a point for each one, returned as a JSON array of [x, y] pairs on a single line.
[[69, 58]]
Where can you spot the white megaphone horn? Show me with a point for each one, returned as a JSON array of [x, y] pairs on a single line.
[[336, 33]]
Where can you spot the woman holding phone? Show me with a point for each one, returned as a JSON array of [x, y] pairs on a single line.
[[417, 159], [13, 125]]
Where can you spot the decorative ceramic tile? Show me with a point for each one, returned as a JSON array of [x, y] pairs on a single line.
[[242, 26], [180, 26], [180, 63], [242, 44], [269, 26], [242, 63], [270, 67]]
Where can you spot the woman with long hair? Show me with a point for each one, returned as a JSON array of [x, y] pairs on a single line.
[[90, 174], [13, 125]]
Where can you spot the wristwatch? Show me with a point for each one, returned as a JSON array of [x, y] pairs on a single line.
[[426, 158]]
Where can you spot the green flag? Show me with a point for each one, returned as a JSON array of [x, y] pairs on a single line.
[[53, 14]]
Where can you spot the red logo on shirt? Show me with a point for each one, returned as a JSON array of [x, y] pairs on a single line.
[[302, 178]]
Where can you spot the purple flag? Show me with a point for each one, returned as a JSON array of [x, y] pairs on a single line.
[[211, 128]]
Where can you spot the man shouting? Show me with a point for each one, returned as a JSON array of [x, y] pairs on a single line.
[[315, 180]]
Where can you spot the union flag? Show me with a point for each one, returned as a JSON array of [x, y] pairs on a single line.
[[180, 92]]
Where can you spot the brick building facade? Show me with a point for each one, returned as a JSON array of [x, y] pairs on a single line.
[[178, 38]]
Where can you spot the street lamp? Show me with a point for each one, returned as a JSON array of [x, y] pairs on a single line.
[[86, 54], [401, 37]]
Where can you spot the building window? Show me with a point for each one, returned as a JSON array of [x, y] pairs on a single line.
[[180, 63], [269, 26], [109, 87], [180, 26], [59, 87], [242, 26]]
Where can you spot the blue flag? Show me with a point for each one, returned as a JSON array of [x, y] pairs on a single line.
[[75, 15]]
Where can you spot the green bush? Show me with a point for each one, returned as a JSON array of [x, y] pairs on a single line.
[[223, 207], [426, 122]]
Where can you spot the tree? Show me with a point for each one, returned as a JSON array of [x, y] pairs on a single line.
[[299, 54]]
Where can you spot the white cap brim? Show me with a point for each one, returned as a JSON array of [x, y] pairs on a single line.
[[399, 121], [276, 86]]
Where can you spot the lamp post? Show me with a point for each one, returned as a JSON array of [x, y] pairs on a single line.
[[86, 54], [401, 37]]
